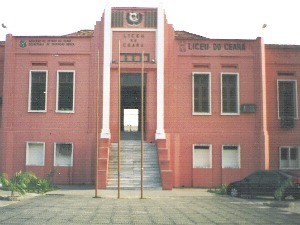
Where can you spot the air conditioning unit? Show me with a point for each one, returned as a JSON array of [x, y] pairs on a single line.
[[248, 108], [287, 122]]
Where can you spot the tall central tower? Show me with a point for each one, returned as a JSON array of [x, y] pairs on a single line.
[[139, 29]]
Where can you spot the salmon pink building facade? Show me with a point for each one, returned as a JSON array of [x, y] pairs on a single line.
[[216, 109]]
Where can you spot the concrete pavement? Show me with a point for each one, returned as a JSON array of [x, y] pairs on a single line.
[[88, 190], [77, 205]]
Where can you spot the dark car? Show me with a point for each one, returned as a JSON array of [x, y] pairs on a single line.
[[279, 184]]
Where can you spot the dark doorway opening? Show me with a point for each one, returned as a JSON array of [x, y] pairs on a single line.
[[131, 105]]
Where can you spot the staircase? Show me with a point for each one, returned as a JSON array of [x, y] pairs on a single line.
[[130, 166]]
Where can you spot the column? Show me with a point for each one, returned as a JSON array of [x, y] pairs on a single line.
[[160, 131], [105, 132]]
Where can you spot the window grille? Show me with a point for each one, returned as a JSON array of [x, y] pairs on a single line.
[[151, 19], [117, 19]]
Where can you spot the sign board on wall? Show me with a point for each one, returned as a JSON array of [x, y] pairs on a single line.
[[133, 43], [192, 46], [45, 42]]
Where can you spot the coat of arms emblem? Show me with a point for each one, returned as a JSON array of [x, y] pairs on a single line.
[[23, 44], [134, 18]]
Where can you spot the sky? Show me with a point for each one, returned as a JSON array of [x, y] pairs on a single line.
[[216, 19]]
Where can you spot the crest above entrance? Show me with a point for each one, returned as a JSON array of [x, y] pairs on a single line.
[[133, 14], [134, 18]]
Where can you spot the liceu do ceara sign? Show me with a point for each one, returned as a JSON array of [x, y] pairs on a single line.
[[200, 46]]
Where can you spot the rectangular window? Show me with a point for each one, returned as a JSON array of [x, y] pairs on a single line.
[[231, 156], [289, 158], [230, 94], [35, 153], [287, 99], [202, 156], [201, 94], [65, 91], [63, 154], [37, 91]]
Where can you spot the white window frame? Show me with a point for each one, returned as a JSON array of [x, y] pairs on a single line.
[[296, 97], [55, 160], [30, 86], [210, 155], [289, 158], [209, 93], [27, 153], [239, 156], [57, 92], [238, 93]]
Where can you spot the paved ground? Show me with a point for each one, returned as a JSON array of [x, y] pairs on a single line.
[[179, 206]]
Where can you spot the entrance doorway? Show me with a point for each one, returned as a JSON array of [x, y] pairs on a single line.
[[131, 106]]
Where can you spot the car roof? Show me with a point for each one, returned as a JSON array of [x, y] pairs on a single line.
[[288, 173], [279, 172]]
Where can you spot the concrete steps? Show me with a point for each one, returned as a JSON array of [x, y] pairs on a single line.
[[130, 166]]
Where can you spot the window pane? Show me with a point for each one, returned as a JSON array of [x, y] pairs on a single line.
[[293, 153], [270, 178], [230, 157], [284, 163], [229, 93], [284, 153], [35, 154], [63, 154], [294, 159], [201, 93], [65, 91], [38, 90], [287, 99], [255, 177], [201, 157]]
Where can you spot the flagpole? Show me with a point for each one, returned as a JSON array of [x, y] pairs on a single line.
[[142, 128], [119, 116], [97, 127]]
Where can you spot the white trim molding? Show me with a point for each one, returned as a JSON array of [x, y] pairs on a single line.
[[105, 132], [160, 131]]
